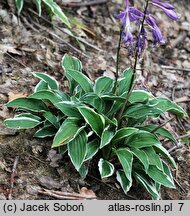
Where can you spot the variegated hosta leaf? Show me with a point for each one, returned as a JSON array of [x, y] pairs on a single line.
[[93, 100], [21, 122], [68, 108], [52, 82], [19, 5], [103, 85], [159, 131], [106, 137], [42, 85], [38, 5], [126, 158], [29, 115], [71, 63], [142, 139], [77, 149], [140, 96], [83, 171], [166, 105], [52, 119], [160, 149], [125, 81], [124, 133], [53, 97], [95, 120], [67, 132], [153, 158], [83, 81], [142, 156], [45, 132], [160, 177], [92, 149], [56, 10], [138, 111], [106, 169], [167, 171], [31, 104], [123, 180], [148, 184]]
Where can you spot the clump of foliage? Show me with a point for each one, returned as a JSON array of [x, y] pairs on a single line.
[[84, 122], [109, 118]]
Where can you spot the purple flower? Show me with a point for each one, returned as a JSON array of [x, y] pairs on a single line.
[[135, 14], [156, 33], [130, 14], [125, 24], [167, 8], [127, 36]]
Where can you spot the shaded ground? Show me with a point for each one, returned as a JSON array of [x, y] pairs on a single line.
[[26, 46]]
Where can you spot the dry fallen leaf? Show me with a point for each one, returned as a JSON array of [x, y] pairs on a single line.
[[54, 157], [87, 193], [3, 165], [49, 182], [182, 99], [10, 49], [13, 96]]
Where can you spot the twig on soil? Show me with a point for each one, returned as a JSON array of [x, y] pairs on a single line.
[[175, 68], [66, 195], [175, 148], [85, 4], [12, 178], [183, 136], [65, 32], [59, 38], [180, 186], [162, 125], [35, 158], [16, 60], [173, 93], [182, 99], [180, 123], [29, 25], [178, 119], [179, 39]]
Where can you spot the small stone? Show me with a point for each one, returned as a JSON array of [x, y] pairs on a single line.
[[178, 63], [49, 183], [7, 131], [2, 196], [81, 182], [186, 64], [3, 98], [32, 190], [180, 158]]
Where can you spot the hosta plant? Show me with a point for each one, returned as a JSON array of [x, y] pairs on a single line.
[[55, 10], [51, 4], [90, 120]]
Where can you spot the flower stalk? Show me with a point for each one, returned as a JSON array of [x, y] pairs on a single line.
[[132, 84], [117, 62]]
